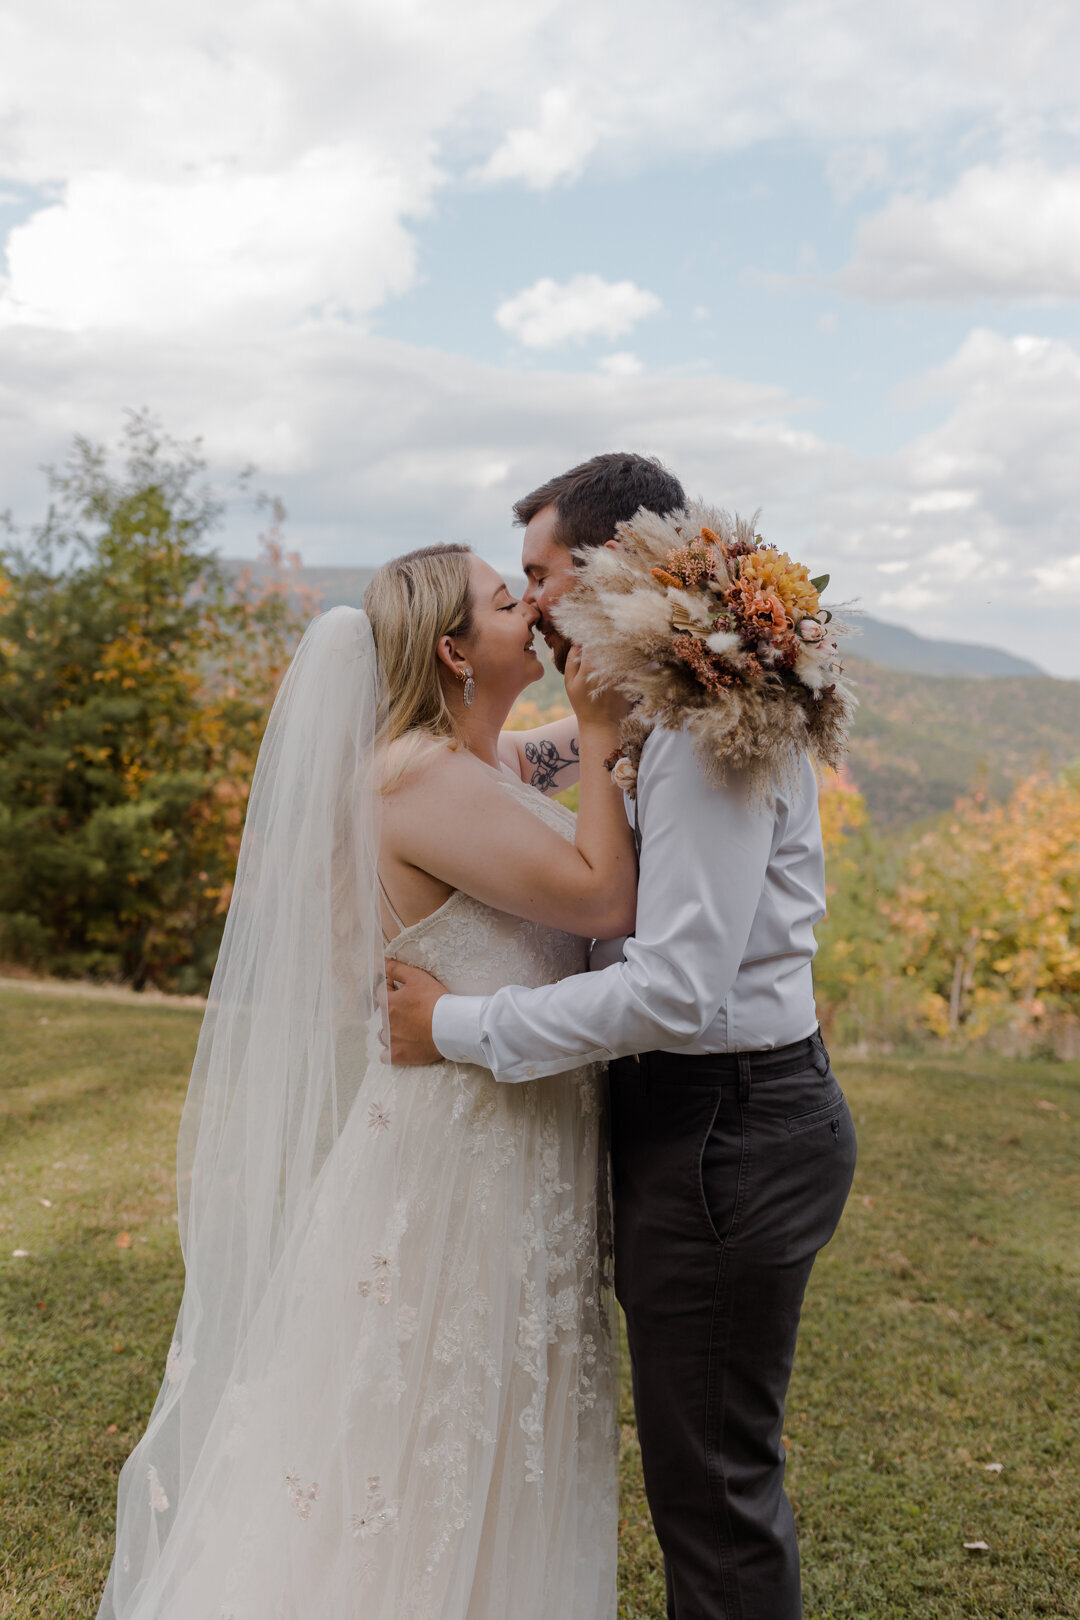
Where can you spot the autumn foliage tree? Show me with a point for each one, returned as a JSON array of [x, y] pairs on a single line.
[[988, 912], [135, 681]]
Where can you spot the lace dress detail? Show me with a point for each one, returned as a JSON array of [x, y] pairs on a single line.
[[463, 1461]]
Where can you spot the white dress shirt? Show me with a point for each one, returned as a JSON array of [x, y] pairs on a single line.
[[720, 960]]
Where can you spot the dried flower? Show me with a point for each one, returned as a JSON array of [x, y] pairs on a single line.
[[811, 630], [692, 565], [624, 775], [761, 613], [774, 572], [714, 677]]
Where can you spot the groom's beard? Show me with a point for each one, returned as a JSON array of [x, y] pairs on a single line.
[[558, 644], [560, 651]]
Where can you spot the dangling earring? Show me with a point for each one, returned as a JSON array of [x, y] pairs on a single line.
[[468, 691]]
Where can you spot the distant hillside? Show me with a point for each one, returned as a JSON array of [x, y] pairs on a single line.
[[920, 740], [890, 646], [339, 587]]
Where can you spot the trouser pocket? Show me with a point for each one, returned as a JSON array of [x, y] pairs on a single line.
[[720, 1164], [829, 1113]]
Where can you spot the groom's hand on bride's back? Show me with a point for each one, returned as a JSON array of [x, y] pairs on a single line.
[[410, 996]]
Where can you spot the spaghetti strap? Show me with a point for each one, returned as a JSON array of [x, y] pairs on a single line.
[[389, 903]]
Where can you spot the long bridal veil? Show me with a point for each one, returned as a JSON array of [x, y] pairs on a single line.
[[289, 1031]]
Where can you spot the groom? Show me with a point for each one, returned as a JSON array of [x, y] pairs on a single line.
[[732, 1146]]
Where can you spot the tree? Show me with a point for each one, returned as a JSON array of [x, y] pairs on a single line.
[[988, 910], [135, 682]]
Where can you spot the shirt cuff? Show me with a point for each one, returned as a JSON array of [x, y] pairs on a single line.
[[455, 1029]]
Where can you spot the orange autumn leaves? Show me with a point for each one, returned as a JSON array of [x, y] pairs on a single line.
[[841, 806], [987, 911]]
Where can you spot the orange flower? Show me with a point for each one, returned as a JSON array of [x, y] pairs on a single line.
[[774, 572], [761, 611]]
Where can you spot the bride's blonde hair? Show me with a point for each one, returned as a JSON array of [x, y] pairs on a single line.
[[412, 602]]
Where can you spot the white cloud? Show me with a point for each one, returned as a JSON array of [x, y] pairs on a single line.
[[556, 149], [1007, 232], [981, 510], [245, 162], [943, 500], [377, 447], [324, 237], [620, 364], [235, 187], [375, 444], [551, 313]]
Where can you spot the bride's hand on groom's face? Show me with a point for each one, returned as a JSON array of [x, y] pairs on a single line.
[[409, 997], [607, 708]]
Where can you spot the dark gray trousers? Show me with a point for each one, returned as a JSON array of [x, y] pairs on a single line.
[[730, 1173]]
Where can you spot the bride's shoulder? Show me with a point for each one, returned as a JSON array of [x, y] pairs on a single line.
[[419, 763]]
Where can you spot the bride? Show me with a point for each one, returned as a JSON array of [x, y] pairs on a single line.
[[390, 1391]]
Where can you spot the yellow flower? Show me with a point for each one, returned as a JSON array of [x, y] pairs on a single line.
[[774, 572]]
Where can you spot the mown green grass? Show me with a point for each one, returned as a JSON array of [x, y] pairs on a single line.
[[940, 1331]]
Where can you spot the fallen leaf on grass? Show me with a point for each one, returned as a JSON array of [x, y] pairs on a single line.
[[123, 1240], [118, 1348], [46, 1201], [1048, 1107], [20, 1254], [993, 1468], [868, 1202], [898, 1264], [976, 1546], [111, 1429]]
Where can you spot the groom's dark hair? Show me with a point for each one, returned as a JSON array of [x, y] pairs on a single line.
[[591, 499]]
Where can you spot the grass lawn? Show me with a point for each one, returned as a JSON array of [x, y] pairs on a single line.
[[940, 1332]]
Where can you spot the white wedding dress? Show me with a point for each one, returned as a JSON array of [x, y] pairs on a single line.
[[438, 1440]]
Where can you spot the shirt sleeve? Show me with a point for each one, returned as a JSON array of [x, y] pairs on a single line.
[[704, 854]]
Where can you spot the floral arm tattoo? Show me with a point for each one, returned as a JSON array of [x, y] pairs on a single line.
[[547, 762]]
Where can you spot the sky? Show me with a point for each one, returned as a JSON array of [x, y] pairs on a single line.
[[410, 258]]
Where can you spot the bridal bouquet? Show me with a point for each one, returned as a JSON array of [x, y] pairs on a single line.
[[706, 626]]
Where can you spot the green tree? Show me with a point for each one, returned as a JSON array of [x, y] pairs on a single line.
[[135, 682]]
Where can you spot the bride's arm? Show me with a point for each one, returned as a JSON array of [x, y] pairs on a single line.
[[450, 817], [548, 757]]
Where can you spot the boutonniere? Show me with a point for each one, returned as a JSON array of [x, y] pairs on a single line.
[[623, 773]]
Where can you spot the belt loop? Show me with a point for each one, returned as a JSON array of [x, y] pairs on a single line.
[[744, 1076]]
